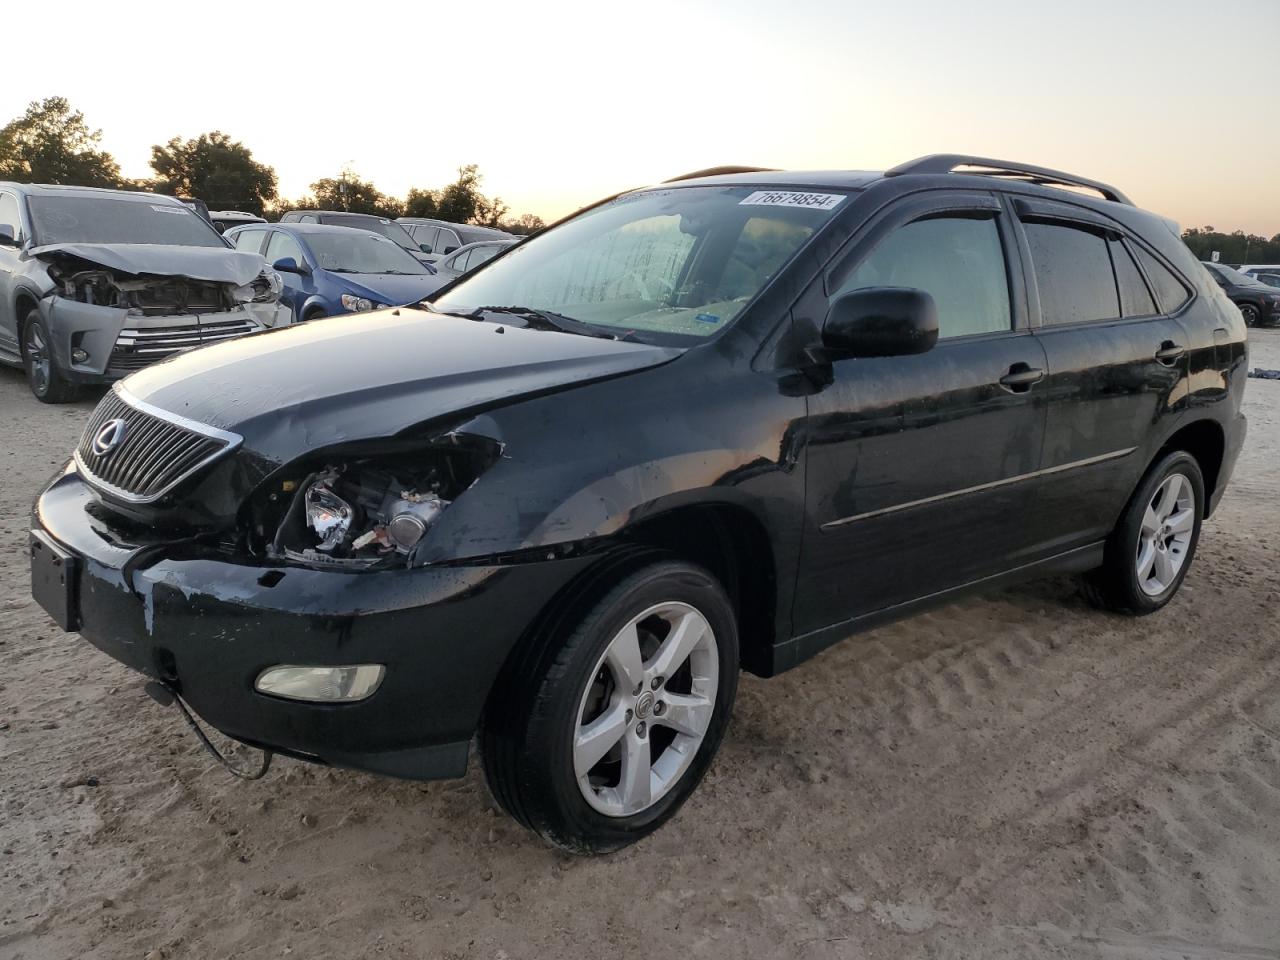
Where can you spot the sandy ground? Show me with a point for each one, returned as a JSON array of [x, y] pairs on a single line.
[[1016, 776]]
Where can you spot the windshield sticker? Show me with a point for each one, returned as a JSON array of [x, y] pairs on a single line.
[[182, 211], [788, 198], [707, 318]]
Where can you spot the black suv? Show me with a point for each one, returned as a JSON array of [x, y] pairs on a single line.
[[721, 422], [1259, 302]]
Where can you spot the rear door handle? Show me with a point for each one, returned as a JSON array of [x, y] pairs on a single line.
[[1020, 377], [1170, 351]]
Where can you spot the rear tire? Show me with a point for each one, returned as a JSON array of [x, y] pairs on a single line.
[[46, 381], [1150, 551], [598, 737]]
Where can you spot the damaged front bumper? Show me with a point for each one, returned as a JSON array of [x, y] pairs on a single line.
[[98, 344], [209, 627]]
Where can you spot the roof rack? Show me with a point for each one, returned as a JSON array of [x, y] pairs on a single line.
[[720, 172], [947, 162]]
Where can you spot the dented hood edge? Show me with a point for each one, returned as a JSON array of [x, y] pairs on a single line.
[[214, 264]]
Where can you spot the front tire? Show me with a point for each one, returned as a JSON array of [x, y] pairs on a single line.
[[1150, 551], [46, 381], [599, 740], [1250, 314]]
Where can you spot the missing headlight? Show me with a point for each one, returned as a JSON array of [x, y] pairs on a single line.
[[364, 512]]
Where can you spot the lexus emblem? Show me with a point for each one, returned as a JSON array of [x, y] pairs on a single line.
[[110, 436]]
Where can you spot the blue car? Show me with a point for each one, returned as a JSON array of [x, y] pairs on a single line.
[[330, 270]]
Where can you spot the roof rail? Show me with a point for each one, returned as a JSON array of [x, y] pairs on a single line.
[[720, 172], [947, 162]]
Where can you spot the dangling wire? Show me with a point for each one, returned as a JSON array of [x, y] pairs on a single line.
[[267, 755]]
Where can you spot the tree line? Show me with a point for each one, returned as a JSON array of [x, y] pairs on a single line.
[[52, 143], [1237, 247]]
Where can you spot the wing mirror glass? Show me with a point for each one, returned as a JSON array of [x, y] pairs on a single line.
[[881, 322], [289, 265]]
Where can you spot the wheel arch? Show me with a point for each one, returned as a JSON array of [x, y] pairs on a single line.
[[1205, 440], [24, 302]]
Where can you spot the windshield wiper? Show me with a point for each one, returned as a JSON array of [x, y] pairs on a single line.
[[544, 320]]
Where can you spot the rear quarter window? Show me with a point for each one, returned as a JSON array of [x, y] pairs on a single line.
[[1169, 289]]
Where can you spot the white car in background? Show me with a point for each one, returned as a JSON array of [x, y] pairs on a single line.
[[467, 258]]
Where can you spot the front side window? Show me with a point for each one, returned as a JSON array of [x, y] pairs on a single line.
[[959, 261], [1073, 273], [448, 241], [670, 265], [108, 219], [282, 245]]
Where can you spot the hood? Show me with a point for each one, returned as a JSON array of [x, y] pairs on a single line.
[[215, 264], [391, 288], [296, 389]]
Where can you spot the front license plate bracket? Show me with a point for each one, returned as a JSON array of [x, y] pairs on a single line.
[[55, 580]]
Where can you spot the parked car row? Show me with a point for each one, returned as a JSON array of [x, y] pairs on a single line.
[[95, 284]]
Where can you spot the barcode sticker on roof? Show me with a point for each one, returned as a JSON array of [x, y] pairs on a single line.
[[790, 198]]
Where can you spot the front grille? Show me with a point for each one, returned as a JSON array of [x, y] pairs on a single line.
[[155, 452], [136, 347]]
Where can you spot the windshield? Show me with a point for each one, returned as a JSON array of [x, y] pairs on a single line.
[[71, 219], [388, 228], [668, 265], [351, 251]]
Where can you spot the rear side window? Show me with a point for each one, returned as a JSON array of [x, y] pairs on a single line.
[[1073, 274], [1135, 298], [1169, 289], [250, 240], [958, 260], [461, 260]]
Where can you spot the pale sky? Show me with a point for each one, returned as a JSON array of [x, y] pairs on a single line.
[[561, 103]]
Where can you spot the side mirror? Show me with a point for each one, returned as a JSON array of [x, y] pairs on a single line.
[[289, 265], [881, 322], [8, 235], [449, 250], [424, 247]]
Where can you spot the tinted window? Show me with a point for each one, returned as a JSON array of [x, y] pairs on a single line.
[[250, 240], [959, 261], [1135, 298], [1169, 289], [282, 245], [9, 213], [1073, 274]]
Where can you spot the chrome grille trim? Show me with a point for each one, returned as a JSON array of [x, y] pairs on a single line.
[[137, 347], [160, 449]]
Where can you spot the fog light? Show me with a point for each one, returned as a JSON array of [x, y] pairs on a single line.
[[79, 356], [321, 684]]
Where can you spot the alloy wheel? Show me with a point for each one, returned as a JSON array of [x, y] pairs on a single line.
[[39, 364], [1167, 526], [646, 709], [1250, 313]]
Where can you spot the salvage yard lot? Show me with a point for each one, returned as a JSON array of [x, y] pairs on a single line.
[[1011, 776]]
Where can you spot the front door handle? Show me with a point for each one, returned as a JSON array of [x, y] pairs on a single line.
[[1170, 351], [1020, 377]]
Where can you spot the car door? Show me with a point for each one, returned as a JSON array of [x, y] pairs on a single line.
[[11, 216], [1117, 363], [915, 464]]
